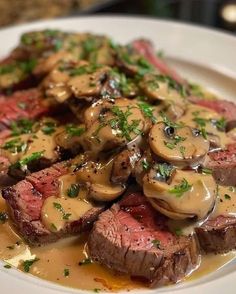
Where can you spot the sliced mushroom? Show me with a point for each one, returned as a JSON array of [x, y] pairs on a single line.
[[70, 137], [113, 124], [179, 145], [45, 65], [88, 81], [124, 164], [186, 194], [97, 176], [160, 87], [211, 123]]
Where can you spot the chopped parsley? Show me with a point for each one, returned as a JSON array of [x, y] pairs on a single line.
[[182, 150], [53, 226], [73, 130], [147, 110], [66, 272], [172, 84], [25, 161], [49, 128], [96, 290], [220, 124], [206, 171], [121, 124], [196, 90], [27, 66], [28, 263], [84, 69], [174, 141], [164, 169], [170, 123], [227, 196], [180, 189], [3, 217], [22, 126], [156, 243], [7, 266], [15, 145], [178, 232], [85, 261], [58, 206], [126, 85], [145, 164], [73, 191]]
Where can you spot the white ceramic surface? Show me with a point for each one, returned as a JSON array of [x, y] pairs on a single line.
[[201, 55]]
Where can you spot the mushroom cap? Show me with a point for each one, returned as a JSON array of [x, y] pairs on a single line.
[[96, 176], [186, 194], [180, 146]]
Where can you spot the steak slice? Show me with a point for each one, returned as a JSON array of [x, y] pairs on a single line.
[[145, 48], [223, 165], [217, 235], [131, 237], [26, 198], [26, 104], [226, 108]]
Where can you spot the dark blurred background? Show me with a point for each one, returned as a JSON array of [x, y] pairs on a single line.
[[213, 13]]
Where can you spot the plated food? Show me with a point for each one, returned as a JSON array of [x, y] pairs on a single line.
[[106, 143]]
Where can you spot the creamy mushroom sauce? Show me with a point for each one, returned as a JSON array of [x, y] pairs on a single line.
[[175, 133], [69, 253]]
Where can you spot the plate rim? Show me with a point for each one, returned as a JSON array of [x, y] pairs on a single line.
[[50, 287]]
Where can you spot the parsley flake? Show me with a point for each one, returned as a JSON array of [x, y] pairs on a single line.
[[180, 189]]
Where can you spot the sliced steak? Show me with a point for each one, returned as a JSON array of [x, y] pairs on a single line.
[[26, 199], [145, 48], [218, 235], [226, 108], [22, 104], [223, 165], [131, 237]]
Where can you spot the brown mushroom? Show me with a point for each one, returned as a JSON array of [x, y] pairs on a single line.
[[97, 176], [186, 194], [178, 144]]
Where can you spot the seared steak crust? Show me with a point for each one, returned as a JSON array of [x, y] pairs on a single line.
[[25, 200], [218, 235], [132, 238], [223, 165]]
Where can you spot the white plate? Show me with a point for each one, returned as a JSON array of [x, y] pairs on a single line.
[[202, 55]]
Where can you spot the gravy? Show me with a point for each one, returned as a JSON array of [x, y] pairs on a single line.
[[55, 258]]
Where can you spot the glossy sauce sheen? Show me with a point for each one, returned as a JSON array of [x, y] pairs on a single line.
[[68, 253]]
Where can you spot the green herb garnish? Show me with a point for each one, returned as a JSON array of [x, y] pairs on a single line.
[[156, 243], [180, 189], [22, 126], [73, 191], [227, 196], [58, 206], [49, 128], [3, 217], [121, 124], [7, 266], [178, 232], [28, 263], [147, 110], [25, 161], [73, 130], [164, 170], [15, 145], [66, 272], [206, 171], [145, 164], [85, 261]]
